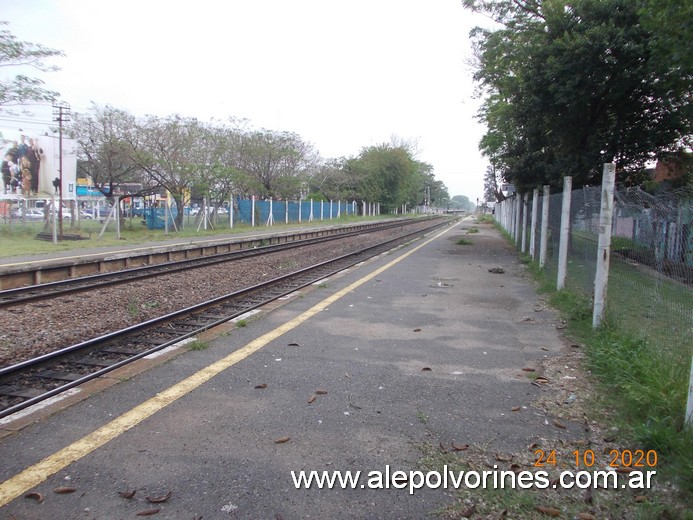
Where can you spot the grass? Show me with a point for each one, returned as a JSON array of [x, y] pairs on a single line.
[[241, 323], [472, 230], [474, 500], [642, 371], [198, 345], [464, 242]]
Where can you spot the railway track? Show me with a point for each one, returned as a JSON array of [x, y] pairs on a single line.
[[34, 293], [35, 380]]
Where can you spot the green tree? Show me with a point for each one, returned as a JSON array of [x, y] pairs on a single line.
[[571, 85], [22, 89], [387, 174], [279, 162]]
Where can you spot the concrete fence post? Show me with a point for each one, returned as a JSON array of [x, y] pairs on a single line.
[[516, 219], [525, 208], [231, 210], [270, 217], [565, 233], [533, 225], [544, 237], [689, 407], [601, 278]]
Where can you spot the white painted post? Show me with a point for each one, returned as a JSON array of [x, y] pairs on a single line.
[[543, 243], [231, 211], [330, 209], [252, 212], [565, 233], [525, 210], [601, 278], [310, 217], [300, 203], [689, 407], [533, 226], [517, 222], [322, 205], [270, 218], [286, 211], [339, 209]]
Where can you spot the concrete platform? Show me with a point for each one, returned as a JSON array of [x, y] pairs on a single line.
[[420, 346]]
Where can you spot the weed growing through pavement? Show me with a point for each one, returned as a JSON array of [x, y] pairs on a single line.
[[198, 344], [464, 242], [472, 230], [241, 323]]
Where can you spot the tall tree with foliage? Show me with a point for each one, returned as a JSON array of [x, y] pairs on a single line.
[[22, 89], [103, 139], [570, 85], [388, 174]]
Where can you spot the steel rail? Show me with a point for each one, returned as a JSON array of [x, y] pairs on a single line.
[[291, 282], [22, 295]]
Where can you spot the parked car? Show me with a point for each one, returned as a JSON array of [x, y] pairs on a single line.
[[31, 214]]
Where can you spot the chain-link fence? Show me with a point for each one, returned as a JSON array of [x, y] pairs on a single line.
[[650, 286]]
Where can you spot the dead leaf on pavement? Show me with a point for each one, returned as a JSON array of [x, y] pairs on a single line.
[[320, 391], [312, 399], [282, 440], [159, 500], [148, 512], [127, 494], [261, 386], [63, 490], [559, 424], [36, 496], [426, 369]]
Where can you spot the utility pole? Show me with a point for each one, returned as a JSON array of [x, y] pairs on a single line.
[[61, 114]]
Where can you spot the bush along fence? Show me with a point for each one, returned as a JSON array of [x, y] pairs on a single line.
[[629, 251]]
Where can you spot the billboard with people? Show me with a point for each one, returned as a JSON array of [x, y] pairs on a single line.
[[31, 166]]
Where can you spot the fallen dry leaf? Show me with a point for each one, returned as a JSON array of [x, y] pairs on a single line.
[[159, 500], [282, 440], [586, 516], [467, 513], [640, 498], [293, 345], [320, 391], [515, 409], [503, 458], [417, 330], [127, 494], [63, 490], [312, 399], [460, 447], [529, 369], [148, 512], [550, 511], [559, 424], [36, 496], [261, 386], [426, 369]]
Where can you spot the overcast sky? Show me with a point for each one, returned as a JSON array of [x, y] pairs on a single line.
[[342, 74]]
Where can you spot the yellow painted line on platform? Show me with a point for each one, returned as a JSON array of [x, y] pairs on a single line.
[[34, 475]]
